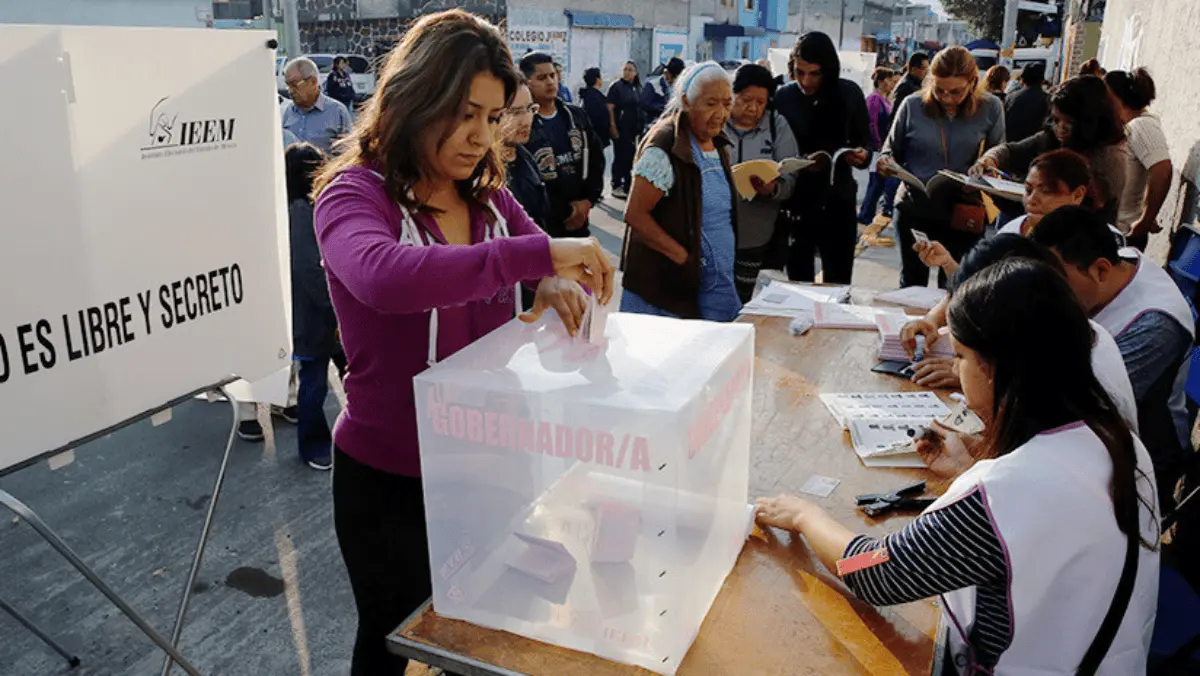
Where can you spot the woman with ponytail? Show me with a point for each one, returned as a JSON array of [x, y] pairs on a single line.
[[1148, 172]]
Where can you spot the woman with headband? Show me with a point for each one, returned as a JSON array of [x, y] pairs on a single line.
[[682, 211]]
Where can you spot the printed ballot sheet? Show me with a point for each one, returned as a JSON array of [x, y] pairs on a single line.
[[884, 406], [883, 442]]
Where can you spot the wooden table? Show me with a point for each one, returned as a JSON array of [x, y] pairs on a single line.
[[779, 612]]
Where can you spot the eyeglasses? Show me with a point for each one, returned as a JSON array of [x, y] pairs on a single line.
[[524, 112], [957, 93], [295, 84]]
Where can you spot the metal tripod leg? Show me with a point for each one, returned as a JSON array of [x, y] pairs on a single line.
[[212, 508], [46, 638], [35, 521]]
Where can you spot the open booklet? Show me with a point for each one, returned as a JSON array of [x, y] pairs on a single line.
[[997, 187], [769, 170]]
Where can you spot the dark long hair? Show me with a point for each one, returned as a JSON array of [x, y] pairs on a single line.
[[1136, 90], [1044, 384], [301, 161], [817, 47], [637, 76], [1087, 101], [418, 95]]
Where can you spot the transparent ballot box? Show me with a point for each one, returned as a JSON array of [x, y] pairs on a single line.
[[593, 496]]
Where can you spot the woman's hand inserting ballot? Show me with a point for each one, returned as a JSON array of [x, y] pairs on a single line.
[[567, 299]]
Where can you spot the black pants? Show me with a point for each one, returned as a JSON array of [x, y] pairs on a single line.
[[745, 270], [912, 271], [623, 151], [831, 231], [380, 523]]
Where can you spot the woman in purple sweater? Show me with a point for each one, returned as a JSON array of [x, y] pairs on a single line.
[[423, 248]]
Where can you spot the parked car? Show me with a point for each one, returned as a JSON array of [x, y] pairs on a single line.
[[362, 73]]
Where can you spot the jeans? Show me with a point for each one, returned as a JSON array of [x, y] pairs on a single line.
[[313, 437], [622, 168], [832, 231], [878, 186], [746, 267], [380, 523]]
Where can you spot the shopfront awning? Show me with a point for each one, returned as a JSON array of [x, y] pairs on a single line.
[[718, 31], [598, 19]]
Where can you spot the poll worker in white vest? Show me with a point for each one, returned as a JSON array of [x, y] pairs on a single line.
[[1045, 550], [938, 372], [423, 249], [1152, 322]]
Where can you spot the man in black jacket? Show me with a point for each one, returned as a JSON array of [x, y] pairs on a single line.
[[1026, 110], [826, 113], [567, 151], [914, 78]]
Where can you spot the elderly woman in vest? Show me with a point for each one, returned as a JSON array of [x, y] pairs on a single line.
[[681, 212], [1044, 549]]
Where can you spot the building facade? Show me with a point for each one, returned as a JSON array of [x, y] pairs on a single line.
[[1156, 35], [167, 13], [371, 28]]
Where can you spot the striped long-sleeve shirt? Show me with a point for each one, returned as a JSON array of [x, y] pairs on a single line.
[[950, 548]]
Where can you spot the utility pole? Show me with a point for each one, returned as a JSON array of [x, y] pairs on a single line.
[[1008, 38], [842, 25], [291, 23]]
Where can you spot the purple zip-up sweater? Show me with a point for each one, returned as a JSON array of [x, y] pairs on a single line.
[[383, 291]]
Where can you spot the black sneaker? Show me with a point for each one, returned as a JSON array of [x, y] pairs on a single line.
[[321, 464], [250, 430], [290, 414]]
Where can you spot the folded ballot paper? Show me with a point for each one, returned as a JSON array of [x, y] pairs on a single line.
[[920, 297], [784, 299], [841, 316]]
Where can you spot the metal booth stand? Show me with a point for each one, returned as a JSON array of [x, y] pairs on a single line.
[[19, 508]]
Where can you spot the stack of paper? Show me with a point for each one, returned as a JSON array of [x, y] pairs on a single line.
[[891, 348], [921, 297], [879, 423], [839, 316], [782, 299]]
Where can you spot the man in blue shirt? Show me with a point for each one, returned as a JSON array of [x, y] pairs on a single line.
[[1152, 322], [311, 115]]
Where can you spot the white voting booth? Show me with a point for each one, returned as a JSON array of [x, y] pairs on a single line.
[[143, 249], [594, 497]]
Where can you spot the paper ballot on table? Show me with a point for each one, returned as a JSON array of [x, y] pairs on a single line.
[[848, 406], [764, 170], [840, 316], [782, 299], [882, 442], [921, 297]]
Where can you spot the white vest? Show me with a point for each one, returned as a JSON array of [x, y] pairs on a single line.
[[1150, 289], [1050, 504], [1109, 367]]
